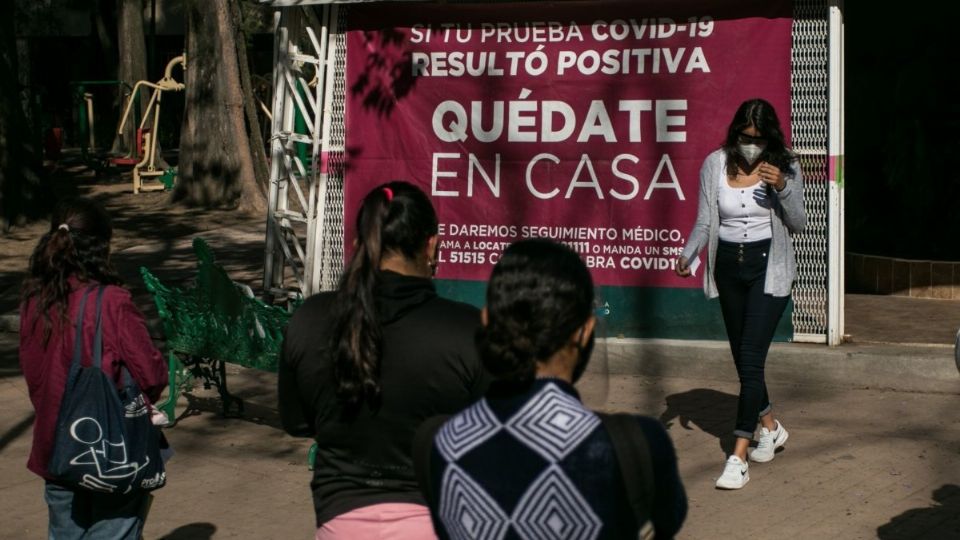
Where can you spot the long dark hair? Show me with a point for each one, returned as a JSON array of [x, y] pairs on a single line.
[[77, 245], [539, 293], [395, 217], [760, 114]]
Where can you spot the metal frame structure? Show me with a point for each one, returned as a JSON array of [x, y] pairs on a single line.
[[817, 127], [304, 247], [836, 242], [298, 206]]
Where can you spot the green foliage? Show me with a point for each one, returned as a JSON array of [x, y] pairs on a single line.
[[254, 19]]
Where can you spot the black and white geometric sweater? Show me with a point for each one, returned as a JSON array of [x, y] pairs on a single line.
[[535, 465]]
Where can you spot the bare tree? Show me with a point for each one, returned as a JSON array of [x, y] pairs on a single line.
[[241, 24], [216, 164]]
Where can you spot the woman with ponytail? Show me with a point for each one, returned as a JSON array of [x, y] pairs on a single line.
[[529, 460], [72, 257], [363, 366]]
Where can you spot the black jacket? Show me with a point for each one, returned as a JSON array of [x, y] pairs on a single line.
[[429, 366]]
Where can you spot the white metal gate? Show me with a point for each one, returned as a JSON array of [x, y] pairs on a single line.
[[809, 122], [304, 237]]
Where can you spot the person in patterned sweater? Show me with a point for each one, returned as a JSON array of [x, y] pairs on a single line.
[[529, 460]]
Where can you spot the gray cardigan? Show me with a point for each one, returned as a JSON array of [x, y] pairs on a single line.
[[786, 216]]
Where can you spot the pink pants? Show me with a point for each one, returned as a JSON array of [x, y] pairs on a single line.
[[388, 521]]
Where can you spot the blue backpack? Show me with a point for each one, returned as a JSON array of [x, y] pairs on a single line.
[[104, 440]]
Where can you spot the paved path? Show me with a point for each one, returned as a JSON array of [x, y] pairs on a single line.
[[859, 464], [898, 319]]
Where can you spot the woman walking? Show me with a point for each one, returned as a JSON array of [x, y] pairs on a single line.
[[751, 200], [362, 367], [72, 257]]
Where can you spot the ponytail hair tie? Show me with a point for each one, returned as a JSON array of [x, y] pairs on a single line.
[[389, 193], [64, 226]]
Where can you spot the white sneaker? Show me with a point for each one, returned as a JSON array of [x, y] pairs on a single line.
[[735, 475], [768, 444]]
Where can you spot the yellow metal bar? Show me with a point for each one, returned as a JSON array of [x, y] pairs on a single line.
[[88, 97]]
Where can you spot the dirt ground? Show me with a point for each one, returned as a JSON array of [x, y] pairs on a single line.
[[149, 231]]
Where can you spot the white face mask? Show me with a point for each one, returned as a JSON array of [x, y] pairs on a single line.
[[750, 151]]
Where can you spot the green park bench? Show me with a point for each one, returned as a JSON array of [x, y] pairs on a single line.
[[213, 321]]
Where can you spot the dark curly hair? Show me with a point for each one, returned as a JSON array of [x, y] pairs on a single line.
[[77, 245], [760, 114], [394, 217], [539, 293]]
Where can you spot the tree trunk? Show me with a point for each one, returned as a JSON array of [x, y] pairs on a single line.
[[25, 80], [22, 189], [100, 24], [216, 165], [257, 146], [132, 68]]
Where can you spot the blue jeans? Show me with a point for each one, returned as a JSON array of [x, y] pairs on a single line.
[[751, 318], [85, 515]]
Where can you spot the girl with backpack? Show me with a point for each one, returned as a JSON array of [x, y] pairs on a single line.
[[70, 260]]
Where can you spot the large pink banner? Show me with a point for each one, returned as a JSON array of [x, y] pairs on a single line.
[[582, 122]]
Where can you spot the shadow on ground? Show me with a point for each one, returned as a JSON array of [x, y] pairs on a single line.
[[254, 413], [192, 531], [16, 431], [710, 410], [941, 520], [149, 230]]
